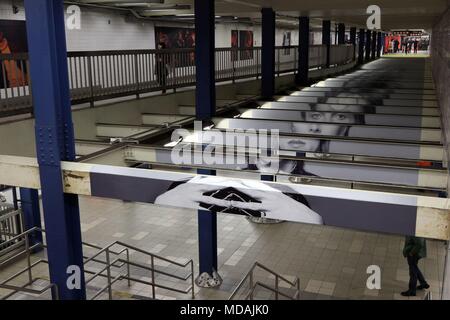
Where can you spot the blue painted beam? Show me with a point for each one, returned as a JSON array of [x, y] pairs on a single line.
[[374, 45], [326, 39], [55, 142], [29, 200], [379, 44], [268, 53], [341, 33], [368, 44], [207, 237], [302, 77], [205, 109], [353, 40], [361, 40], [205, 59]]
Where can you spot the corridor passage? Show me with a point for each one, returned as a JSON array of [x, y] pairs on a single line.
[[389, 104]]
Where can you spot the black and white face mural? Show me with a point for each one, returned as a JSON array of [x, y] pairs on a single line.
[[311, 129], [297, 203], [337, 125]]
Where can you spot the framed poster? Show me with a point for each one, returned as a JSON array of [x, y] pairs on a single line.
[[234, 44], [246, 43], [287, 42], [177, 38], [13, 39]]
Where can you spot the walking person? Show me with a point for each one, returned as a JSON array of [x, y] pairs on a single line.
[[416, 45], [161, 68], [415, 249]]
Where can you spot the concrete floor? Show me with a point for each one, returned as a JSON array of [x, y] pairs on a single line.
[[330, 262]]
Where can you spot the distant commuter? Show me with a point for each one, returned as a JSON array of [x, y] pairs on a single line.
[[161, 67], [416, 45], [396, 43], [415, 249]]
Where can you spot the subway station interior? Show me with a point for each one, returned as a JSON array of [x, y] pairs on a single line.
[[224, 150]]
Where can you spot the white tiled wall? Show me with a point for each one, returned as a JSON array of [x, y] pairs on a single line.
[[6, 11], [109, 30], [440, 51]]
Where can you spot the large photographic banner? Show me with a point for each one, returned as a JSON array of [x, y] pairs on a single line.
[[296, 145], [177, 38], [357, 209], [341, 116], [355, 130], [215, 158], [242, 40], [234, 44], [331, 107], [359, 101], [246, 44], [13, 40]]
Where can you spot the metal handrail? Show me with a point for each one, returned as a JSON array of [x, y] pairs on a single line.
[[428, 296], [102, 75], [29, 269], [278, 277], [265, 286], [110, 263], [118, 262]]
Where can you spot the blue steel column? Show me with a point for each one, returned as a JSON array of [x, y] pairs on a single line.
[[205, 59], [368, 44], [54, 140], [29, 200], [374, 45], [205, 109], [361, 39], [326, 39], [268, 53], [302, 77], [207, 242], [379, 44], [341, 33], [353, 40]]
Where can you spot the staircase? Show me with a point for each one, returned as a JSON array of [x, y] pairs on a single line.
[[262, 283], [110, 273]]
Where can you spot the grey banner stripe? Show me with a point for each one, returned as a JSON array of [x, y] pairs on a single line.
[[369, 216]]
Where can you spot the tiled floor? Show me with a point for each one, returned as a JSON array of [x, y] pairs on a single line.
[[330, 262]]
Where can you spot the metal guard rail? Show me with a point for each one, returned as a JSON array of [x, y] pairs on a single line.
[[276, 290], [102, 75], [112, 263], [26, 251], [108, 264]]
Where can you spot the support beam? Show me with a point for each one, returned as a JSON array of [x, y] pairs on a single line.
[[205, 59], [29, 200], [207, 245], [55, 142], [326, 39], [368, 44], [373, 46], [268, 53], [341, 33], [303, 52], [374, 211], [205, 109], [346, 170], [379, 44], [361, 41], [446, 281], [353, 41]]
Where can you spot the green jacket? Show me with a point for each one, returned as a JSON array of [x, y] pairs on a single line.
[[415, 246]]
